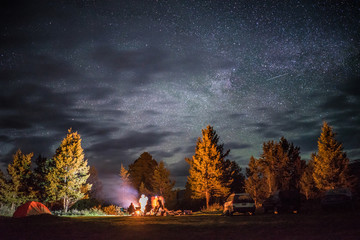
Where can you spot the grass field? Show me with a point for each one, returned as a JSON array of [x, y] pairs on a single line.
[[320, 225]]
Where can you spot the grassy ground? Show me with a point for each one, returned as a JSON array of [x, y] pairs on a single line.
[[320, 225]]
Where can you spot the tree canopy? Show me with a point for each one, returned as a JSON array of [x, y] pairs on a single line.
[[21, 185], [330, 162], [69, 171], [206, 170], [278, 168], [142, 171], [161, 182]]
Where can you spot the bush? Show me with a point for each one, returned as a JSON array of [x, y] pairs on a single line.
[[95, 211], [216, 207], [6, 211], [85, 204], [113, 210]]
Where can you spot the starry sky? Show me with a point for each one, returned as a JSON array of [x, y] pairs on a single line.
[[135, 76]]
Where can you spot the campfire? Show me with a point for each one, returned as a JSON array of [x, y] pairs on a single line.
[[154, 207]]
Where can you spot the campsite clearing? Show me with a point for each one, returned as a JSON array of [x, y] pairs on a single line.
[[320, 225]]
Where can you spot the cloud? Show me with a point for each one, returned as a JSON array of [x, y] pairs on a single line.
[[132, 140], [236, 116], [179, 169], [343, 112], [236, 145], [160, 154]]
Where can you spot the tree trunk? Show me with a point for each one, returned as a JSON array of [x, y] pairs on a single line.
[[269, 183], [207, 199], [66, 204]]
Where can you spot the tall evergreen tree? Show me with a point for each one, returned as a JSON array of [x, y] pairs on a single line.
[[144, 190], [232, 176], [124, 175], [43, 165], [95, 183], [21, 177], [269, 163], [206, 171], [8, 195], [307, 183], [281, 165], [278, 168], [161, 182], [293, 165], [330, 163], [69, 171], [142, 171], [255, 183]]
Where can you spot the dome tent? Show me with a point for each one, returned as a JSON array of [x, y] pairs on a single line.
[[31, 208]]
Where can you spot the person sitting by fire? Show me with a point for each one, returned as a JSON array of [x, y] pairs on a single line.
[[154, 201], [158, 204], [148, 208], [131, 209]]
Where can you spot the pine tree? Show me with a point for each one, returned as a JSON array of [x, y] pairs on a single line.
[[206, 172], [21, 177], [281, 165], [307, 183], [292, 167], [161, 182], [330, 163], [124, 175], [69, 172], [255, 183], [278, 168], [95, 183], [269, 164], [232, 177], [43, 165], [8, 195], [144, 190], [142, 170]]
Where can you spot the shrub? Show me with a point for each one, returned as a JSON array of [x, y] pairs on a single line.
[[95, 211], [6, 210], [216, 207], [85, 204], [110, 210]]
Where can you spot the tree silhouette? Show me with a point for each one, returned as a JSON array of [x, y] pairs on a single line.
[[307, 183], [161, 182], [255, 183], [142, 171], [278, 168]]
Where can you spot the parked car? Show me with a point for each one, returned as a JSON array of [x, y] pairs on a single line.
[[239, 202], [283, 201], [337, 198]]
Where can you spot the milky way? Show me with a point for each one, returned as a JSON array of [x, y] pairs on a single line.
[[135, 76]]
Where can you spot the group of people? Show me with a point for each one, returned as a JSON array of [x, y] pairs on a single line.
[[154, 207]]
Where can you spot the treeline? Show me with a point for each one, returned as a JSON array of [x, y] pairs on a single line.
[[66, 177], [279, 167], [211, 175], [61, 180], [149, 177]]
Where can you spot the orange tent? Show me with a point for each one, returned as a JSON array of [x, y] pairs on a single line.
[[31, 208]]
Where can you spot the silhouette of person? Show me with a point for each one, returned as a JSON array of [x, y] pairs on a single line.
[[131, 209]]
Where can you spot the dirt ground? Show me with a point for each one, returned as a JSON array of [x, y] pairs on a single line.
[[320, 225]]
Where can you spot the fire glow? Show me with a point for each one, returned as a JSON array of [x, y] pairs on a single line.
[[115, 191]]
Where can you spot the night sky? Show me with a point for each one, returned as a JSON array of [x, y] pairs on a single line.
[[136, 76]]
